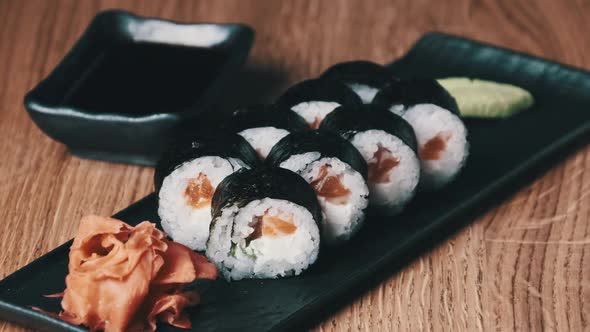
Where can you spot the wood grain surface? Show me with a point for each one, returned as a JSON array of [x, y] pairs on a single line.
[[524, 265]]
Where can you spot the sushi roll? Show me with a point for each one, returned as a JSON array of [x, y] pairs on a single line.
[[365, 78], [388, 145], [265, 225], [336, 171], [264, 125], [185, 180], [314, 99], [433, 113]]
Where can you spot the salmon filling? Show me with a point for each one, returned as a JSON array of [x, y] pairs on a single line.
[[330, 187], [271, 226], [316, 123], [199, 191], [435, 146], [124, 278], [381, 165]]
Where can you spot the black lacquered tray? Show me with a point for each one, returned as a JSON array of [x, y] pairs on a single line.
[[505, 154]]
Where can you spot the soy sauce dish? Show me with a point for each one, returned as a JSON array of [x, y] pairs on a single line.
[[129, 81]]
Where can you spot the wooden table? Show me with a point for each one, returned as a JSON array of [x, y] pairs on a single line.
[[524, 265]]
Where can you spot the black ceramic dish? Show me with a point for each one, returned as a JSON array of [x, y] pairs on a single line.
[[505, 154], [121, 91]]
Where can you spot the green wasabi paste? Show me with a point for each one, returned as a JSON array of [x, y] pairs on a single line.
[[486, 99]]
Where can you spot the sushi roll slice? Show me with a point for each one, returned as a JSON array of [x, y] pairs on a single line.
[[388, 145], [265, 224], [336, 171], [433, 113], [314, 99], [365, 78], [185, 180], [264, 125]]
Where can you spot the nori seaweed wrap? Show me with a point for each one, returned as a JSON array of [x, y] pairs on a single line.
[[326, 143], [432, 112], [186, 178], [400, 94], [186, 149], [266, 115], [348, 121], [248, 185], [314, 99], [388, 145], [265, 224], [336, 171], [264, 125], [365, 78]]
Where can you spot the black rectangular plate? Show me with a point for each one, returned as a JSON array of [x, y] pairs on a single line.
[[505, 154]]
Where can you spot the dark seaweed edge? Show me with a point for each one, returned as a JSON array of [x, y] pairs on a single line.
[[225, 146], [319, 90], [347, 122], [262, 115], [413, 91], [326, 143], [360, 71], [247, 185]]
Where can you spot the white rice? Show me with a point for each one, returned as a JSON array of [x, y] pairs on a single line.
[[340, 221], [366, 92], [428, 121], [264, 257], [298, 162], [314, 111], [398, 109], [181, 221], [390, 197], [263, 139]]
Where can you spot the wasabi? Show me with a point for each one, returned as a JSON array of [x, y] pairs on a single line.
[[486, 99]]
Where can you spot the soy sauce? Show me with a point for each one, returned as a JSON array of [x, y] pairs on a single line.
[[144, 78]]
